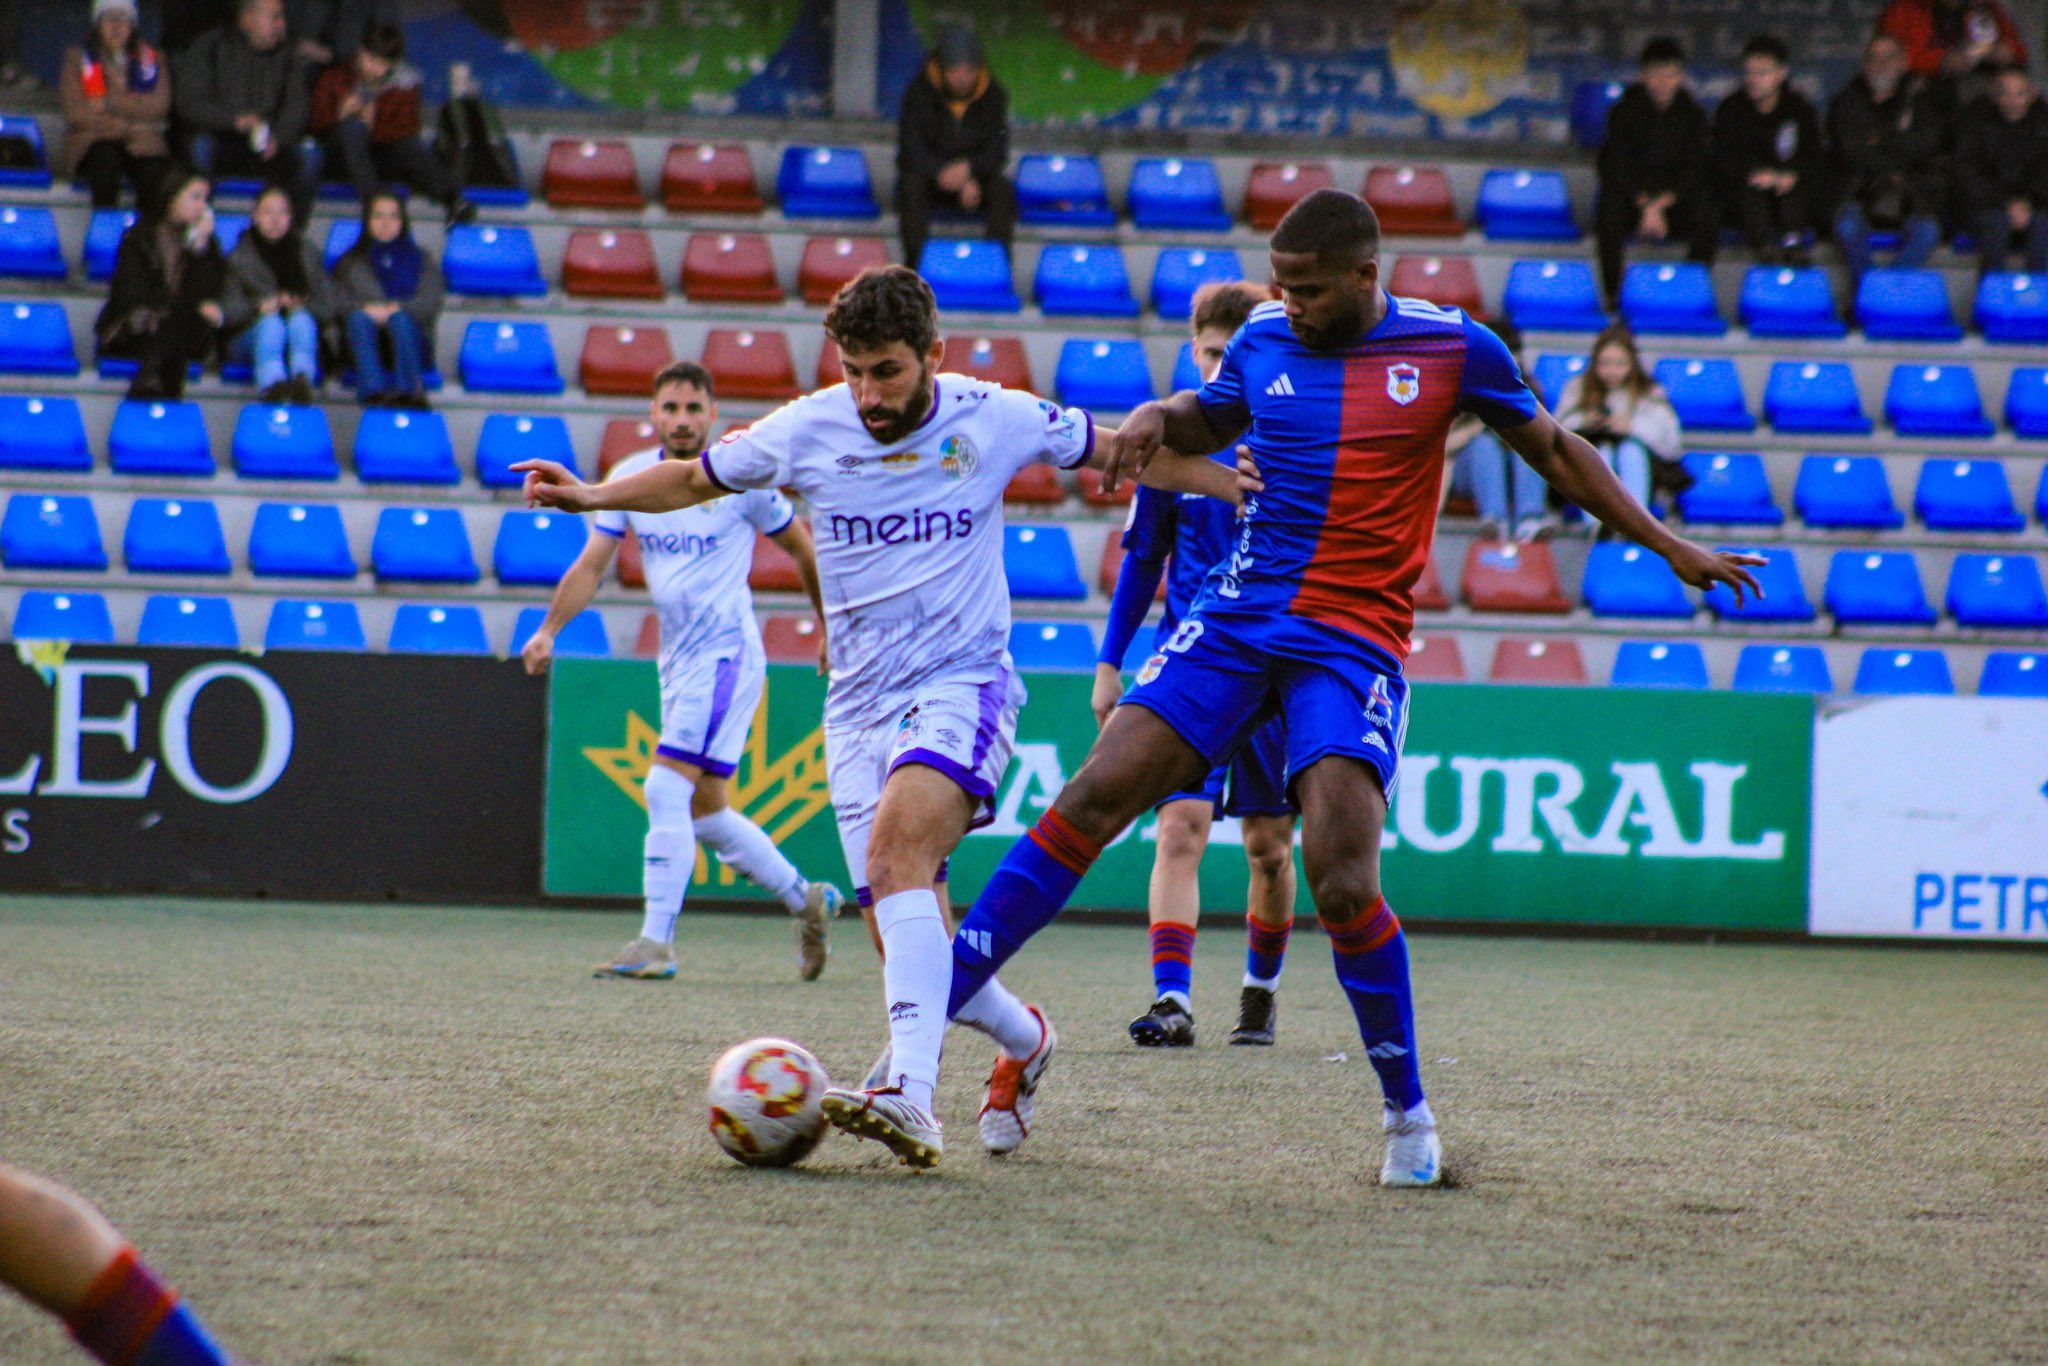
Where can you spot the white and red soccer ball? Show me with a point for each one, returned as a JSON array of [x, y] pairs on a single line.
[[764, 1102]]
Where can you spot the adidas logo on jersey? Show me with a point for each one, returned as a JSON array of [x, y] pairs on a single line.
[[1282, 387]]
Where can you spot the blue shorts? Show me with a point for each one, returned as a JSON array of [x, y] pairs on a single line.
[[1252, 782]]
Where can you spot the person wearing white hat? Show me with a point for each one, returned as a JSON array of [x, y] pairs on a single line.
[[116, 96]]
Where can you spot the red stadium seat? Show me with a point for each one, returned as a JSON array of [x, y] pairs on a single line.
[[790, 640], [1429, 590], [1434, 659], [1513, 576], [1035, 485], [623, 436], [632, 572], [730, 267], [1446, 280], [1413, 201], [590, 175], [1275, 185], [749, 364], [1000, 359], [1112, 561], [699, 177], [611, 263], [1091, 489], [1517, 659], [774, 569], [623, 360], [647, 645], [830, 262], [829, 372]]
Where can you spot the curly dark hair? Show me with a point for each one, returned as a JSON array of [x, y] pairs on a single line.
[[884, 304]]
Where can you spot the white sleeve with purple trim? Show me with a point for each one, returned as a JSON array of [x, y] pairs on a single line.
[[767, 510], [1045, 433], [760, 456]]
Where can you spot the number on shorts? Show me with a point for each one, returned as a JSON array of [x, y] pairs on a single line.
[[1184, 637]]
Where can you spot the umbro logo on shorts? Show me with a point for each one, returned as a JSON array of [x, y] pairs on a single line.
[[1282, 387]]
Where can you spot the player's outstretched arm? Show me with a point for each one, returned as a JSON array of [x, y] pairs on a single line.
[[796, 539], [1176, 423], [579, 585], [662, 487]]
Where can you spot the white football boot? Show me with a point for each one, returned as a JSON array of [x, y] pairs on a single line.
[[1415, 1156], [888, 1117], [1013, 1091]]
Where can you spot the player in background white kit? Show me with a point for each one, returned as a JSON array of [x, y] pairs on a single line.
[[904, 470], [712, 672]]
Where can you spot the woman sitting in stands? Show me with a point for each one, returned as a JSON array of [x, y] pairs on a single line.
[[391, 293], [163, 307], [1615, 404], [115, 91], [279, 293]]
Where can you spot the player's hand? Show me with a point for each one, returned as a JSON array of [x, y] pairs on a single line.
[[1131, 447], [1108, 691], [1248, 480], [539, 652], [549, 485], [1702, 568]]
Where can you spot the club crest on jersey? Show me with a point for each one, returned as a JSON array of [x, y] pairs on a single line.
[[1404, 383], [957, 457], [1152, 668]]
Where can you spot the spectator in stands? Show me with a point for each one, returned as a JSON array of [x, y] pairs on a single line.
[[116, 98], [1655, 167], [163, 307], [1509, 494], [367, 113], [324, 32], [2001, 164], [391, 292], [241, 93], [953, 145], [278, 291], [1887, 135], [1614, 404], [1768, 151], [1955, 44]]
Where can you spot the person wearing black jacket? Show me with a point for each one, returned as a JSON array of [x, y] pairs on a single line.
[[1767, 150], [163, 305], [1655, 167], [2002, 171], [953, 144], [1886, 133]]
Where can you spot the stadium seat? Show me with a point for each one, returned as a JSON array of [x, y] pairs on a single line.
[[611, 263], [1812, 396], [1783, 668], [103, 241], [1781, 301], [1672, 298], [1885, 671], [1935, 400], [590, 175], [825, 182], [174, 536], [341, 235], [1512, 576], [1876, 588], [422, 545], [300, 540], [584, 637], [2012, 308], [1180, 271], [1784, 597], [1413, 201], [195, 622], [28, 243], [1111, 564], [749, 365], [420, 629], [51, 531], [829, 371], [508, 438], [1186, 373], [1553, 372], [1274, 186], [2014, 673], [1728, 487], [26, 131], [623, 360], [773, 569], [1067, 190], [2041, 496], [1177, 194], [1446, 280], [283, 442], [1846, 491], [790, 640], [509, 358], [730, 267], [394, 446], [1068, 646], [1520, 660], [1080, 279], [536, 547], [1000, 359], [159, 437], [623, 436], [1590, 102], [43, 433], [1905, 305], [829, 262], [647, 644], [1092, 493], [1105, 376], [1965, 495], [2026, 401], [296, 624], [81, 618], [1526, 206], [1659, 664], [1997, 592], [703, 177], [1706, 393], [35, 339], [492, 260], [1553, 296], [1434, 659], [971, 275], [1624, 580], [1039, 562], [1035, 486]]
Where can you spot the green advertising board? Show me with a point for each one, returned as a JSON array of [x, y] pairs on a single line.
[[1582, 805]]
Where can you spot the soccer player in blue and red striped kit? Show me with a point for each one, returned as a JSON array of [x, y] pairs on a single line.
[[1342, 397]]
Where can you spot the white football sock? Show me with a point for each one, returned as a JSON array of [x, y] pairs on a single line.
[[669, 853], [746, 846], [1262, 983], [917, 974], [996, 1012]]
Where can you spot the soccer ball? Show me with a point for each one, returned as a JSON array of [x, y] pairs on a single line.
[[763, 1099]]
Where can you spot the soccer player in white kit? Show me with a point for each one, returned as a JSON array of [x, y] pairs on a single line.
[[904, 470], [713, 670]]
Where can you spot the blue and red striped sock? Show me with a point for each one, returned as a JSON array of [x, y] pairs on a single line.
[[1028, 888], [130, 1318], [1371, 956], [1265, 951], [1173, 962]]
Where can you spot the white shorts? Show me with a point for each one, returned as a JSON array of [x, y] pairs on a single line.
[[965, 730], [707, 707]]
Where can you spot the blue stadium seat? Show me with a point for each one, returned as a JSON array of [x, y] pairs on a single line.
[[82, 618], [394, 446], [1784, 597], [28, 243], [2014, 673], [1877, 588], [1729, 487], [1783, 668], [35, 339], [1846, 491], [1781, 301], [301, 541], [43, 433], [1814, 396], [422, 545], [2026, 401], [228, 229], [1526, 206], [1553, 372], [1077, 278], [1186, 373], [1965, 495], [584, 636], [509, 358], [1038, 560], [970, 274], [1067, 190], [2012, 308], [493, 260], [35, 175], [1179, 193], [198, 622], [536, 547], [419, 629], [1659, 664], [103, 241], [1905, 305], [1067, 645], [174, 536], [1674, 297], [342, 234], [297, 624], [51, 531], [825, 182], [1935, 400], [284, 443], [160, 437], [1180, 271], [508, 438], [1885, 671], [1999, 592], [1108, 376], [2041, 496], [1707, 394], [1624, 580], [1590, 102], [1553, 296]]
